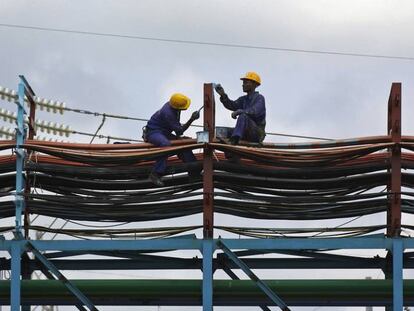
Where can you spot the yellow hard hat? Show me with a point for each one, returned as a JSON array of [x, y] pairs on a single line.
[[253, 77], [180, 101]]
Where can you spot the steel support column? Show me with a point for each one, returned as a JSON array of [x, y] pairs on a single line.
[[208, 250], [208, 187], [397, 277], [20, 155], [19, 199], [30, 94], [15, 290], [394, 186], [208, 199], [28, 91]]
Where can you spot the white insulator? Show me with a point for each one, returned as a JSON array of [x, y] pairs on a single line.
[[68, 131], [62, 107], [13, 117], [48, 127], [42, 125], [8, 94], [4, 93], [13, 93], [61, 130], [40, 103], [52, 105], [43, 103], [1, 90], [6, 132], [55, 128]]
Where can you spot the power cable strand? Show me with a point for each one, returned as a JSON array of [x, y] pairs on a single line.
[[220, 44]]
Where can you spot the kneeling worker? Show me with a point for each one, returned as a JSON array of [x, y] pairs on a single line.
[[249, 110], [159, 133]]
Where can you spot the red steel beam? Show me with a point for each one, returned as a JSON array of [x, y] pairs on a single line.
[[208, 187], [394, 185]]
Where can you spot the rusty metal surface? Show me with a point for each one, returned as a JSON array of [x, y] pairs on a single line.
[[208, 185], [394, 186]]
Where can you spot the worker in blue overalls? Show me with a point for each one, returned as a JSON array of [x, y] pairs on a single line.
[[159, 133], [249, 110]]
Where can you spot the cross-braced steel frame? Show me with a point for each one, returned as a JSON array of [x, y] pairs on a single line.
[[392, 292]]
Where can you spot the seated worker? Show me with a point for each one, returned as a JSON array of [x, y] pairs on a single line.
[[159, 133], [249, 110]]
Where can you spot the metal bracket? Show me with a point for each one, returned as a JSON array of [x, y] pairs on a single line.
[[72, 288], [263, 286], [234, 276]]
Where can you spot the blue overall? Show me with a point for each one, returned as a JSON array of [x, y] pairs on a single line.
[[250, 125], [160, 128]]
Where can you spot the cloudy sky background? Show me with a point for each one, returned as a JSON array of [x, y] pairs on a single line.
[[309, 94]]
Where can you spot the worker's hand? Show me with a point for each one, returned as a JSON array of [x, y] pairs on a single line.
[[234, 114], [219, 89], [195, 115]]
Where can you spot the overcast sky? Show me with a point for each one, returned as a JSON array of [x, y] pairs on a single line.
[[310, 94]]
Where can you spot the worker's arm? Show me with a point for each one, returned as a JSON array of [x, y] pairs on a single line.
[[172, 123], [232, 105], [185, 126]]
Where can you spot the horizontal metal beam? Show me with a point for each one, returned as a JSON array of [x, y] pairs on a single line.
[[196, 264], [196, 244]]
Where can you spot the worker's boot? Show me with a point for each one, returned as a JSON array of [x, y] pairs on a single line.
[[234, 140], [155, 178]]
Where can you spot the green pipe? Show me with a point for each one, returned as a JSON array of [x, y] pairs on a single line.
[[228, 289]]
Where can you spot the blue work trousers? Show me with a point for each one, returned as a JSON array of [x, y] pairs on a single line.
[[247, 129], [161, 140]]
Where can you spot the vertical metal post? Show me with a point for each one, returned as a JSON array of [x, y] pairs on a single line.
[[208, 250], [20, 155], [32, 132], [394, 186], [19, 199], [208, 199], [397, 277], [15, 276], [208, 187]]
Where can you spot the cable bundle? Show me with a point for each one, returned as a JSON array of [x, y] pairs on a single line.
[[108, 183]]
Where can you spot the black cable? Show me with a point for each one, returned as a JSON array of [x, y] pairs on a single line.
[[243, 46]]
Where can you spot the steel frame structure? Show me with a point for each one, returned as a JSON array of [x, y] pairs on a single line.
[[232, 250]]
